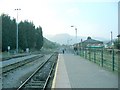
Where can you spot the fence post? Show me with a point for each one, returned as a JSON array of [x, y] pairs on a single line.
[[80, 52], [86, 53], [102, 57], [118, 62], [83, 52], [94, 56], [89, 54], [113, 59]]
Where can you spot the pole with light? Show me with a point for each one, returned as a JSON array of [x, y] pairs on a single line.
[[75, 33], [18, 9], [76, 47]]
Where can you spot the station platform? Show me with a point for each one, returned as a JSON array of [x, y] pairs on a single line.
[[73, 71]]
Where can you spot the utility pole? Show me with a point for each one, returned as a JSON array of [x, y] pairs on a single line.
[[17, 30]]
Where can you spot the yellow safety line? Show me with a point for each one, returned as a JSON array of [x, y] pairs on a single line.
[[56, 70]]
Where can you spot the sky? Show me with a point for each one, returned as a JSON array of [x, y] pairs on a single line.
[[95, 18]]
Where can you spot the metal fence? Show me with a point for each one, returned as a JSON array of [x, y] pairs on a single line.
[[107, 58]]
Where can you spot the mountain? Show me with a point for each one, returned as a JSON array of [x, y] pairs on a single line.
[[68, 39], [64, 38]]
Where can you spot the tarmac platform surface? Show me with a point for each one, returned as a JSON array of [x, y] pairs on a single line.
[[73, 71]]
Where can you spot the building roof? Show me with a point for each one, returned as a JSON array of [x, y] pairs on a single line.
[[92, 41]]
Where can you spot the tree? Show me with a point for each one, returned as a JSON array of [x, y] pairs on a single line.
[[28, 36], [8, 32], [22, 36], [39, 38]]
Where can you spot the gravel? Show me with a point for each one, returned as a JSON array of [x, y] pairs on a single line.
[[14, 78]]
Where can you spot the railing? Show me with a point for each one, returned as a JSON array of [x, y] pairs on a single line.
[[107, 58]]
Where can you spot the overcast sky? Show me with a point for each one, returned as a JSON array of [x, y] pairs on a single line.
[[95, 18]]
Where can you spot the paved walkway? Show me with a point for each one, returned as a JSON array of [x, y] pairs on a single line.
[[75, 72]]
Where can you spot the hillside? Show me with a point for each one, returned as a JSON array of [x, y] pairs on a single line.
[[49, 44]]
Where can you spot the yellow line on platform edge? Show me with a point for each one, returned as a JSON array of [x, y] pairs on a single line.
[[54, 80]]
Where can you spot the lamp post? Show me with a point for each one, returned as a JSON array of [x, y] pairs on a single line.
[[75, 33], [18, 9], [76, 47]]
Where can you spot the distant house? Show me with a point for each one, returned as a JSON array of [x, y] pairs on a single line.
[[91, 43], [109, 45]]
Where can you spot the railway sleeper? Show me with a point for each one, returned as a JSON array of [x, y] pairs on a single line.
[[30, 87], [40, 78], [37, 81], [35, 84]]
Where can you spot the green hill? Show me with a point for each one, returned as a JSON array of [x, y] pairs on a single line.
[[49, 44]]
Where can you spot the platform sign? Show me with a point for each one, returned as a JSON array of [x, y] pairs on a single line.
[[8, 48], [27, 50], [95, 46]]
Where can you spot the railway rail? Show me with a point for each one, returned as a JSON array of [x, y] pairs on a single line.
[[40, 78], [13, 56], [19, 64]]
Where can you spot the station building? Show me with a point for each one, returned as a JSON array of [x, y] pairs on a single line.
[[91, 43]]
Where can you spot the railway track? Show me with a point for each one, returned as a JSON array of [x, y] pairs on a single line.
[[15, 56], [40, 78], [5, 58], [19, 64]]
